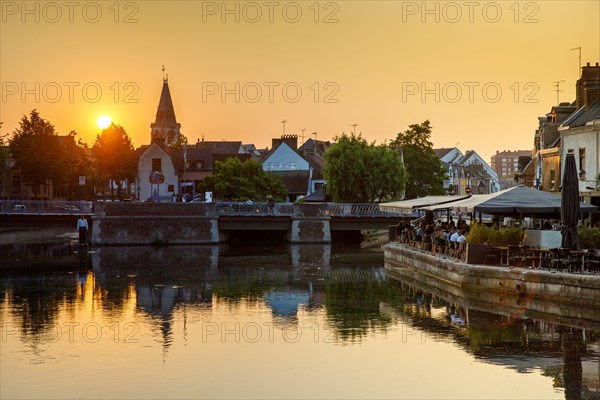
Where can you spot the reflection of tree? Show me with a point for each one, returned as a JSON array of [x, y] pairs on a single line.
[[36, 302], [353, 306], [18, 256], [572, 345]]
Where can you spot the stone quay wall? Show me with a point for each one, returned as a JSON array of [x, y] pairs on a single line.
[[404, 261], [118, 223]]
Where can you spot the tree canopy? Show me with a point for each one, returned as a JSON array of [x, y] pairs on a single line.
[[115, 157], [359, 172], [425, 171], [35, 148], [240, 181]]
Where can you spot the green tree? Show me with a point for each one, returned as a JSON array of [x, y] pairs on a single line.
[[359, 172], [425, 171], [241, 181], [35, 150], [115, 157], [73, 163], [181, 140]]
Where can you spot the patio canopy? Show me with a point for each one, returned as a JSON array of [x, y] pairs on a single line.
[[515, 200], [407, 206]]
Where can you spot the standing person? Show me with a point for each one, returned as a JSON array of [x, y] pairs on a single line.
[[82, 228], [271, 203]]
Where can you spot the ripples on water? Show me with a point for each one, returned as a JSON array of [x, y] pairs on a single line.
[[264, 322]]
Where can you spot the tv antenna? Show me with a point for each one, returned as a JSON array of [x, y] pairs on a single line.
[[557, 86], [302, 135], [283, 123], [578, 65], [354, 128]]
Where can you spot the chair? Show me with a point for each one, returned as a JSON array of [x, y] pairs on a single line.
[[594, 263], [492, 257], [418, 240], [565, 255], [450, 247], [514, 255], [529, 257], [439, 245], [556, 261], [588, 260]]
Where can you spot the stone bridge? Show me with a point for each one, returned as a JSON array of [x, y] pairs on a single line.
[[119, 223]]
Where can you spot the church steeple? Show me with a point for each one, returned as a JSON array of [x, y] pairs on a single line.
[[165, 128]]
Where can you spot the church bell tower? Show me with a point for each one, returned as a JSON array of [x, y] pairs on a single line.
[[165, 129]]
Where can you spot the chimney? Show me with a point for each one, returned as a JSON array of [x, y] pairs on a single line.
[[588, 86], [290, 140]]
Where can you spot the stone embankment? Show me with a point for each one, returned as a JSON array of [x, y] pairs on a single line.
[[405, 262]]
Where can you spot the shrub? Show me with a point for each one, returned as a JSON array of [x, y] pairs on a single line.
[[499, 237], [589, 238]]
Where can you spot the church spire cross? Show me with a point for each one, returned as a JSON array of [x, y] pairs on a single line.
[[165, 77]]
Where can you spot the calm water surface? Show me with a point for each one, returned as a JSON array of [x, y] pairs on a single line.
[[262, 322]]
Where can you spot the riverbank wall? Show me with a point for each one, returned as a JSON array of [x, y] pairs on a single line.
[[406, 262]]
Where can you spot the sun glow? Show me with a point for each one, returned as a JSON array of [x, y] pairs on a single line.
[[103, 121]]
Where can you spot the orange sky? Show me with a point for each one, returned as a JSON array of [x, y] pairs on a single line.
[[487, 68]]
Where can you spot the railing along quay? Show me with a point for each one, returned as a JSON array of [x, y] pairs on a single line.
[[287, 209], [45, 207], [54, 207]]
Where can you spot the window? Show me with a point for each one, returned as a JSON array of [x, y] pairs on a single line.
[[198, 164], [582, 159], [157, 164]]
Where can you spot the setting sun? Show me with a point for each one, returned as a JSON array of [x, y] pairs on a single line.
[[103, 121]]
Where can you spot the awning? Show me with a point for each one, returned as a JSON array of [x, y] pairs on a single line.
[[515, 200], [406, 206]]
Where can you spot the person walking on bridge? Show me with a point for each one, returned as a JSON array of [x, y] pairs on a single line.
[[82, 228]]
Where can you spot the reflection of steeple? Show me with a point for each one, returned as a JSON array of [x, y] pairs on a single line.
[[165, 128]]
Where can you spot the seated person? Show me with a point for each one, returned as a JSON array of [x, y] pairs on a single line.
[[461, 241], [427, 235]]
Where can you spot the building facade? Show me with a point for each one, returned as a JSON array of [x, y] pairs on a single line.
[[506, 163]]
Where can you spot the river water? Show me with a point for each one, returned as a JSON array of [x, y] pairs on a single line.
[[262, 321]]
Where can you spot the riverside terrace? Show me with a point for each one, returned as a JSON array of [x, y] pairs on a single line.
[[555, 274], [586, 261], [135, 223]]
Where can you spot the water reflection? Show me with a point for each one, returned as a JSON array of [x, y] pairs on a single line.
[[569, 354], [213, 311]]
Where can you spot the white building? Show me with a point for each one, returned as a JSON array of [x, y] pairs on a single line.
[[580, 134]]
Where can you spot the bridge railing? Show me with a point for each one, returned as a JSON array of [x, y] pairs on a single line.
[[357, 210], [254, 208], [45, 207], [287, 209]]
